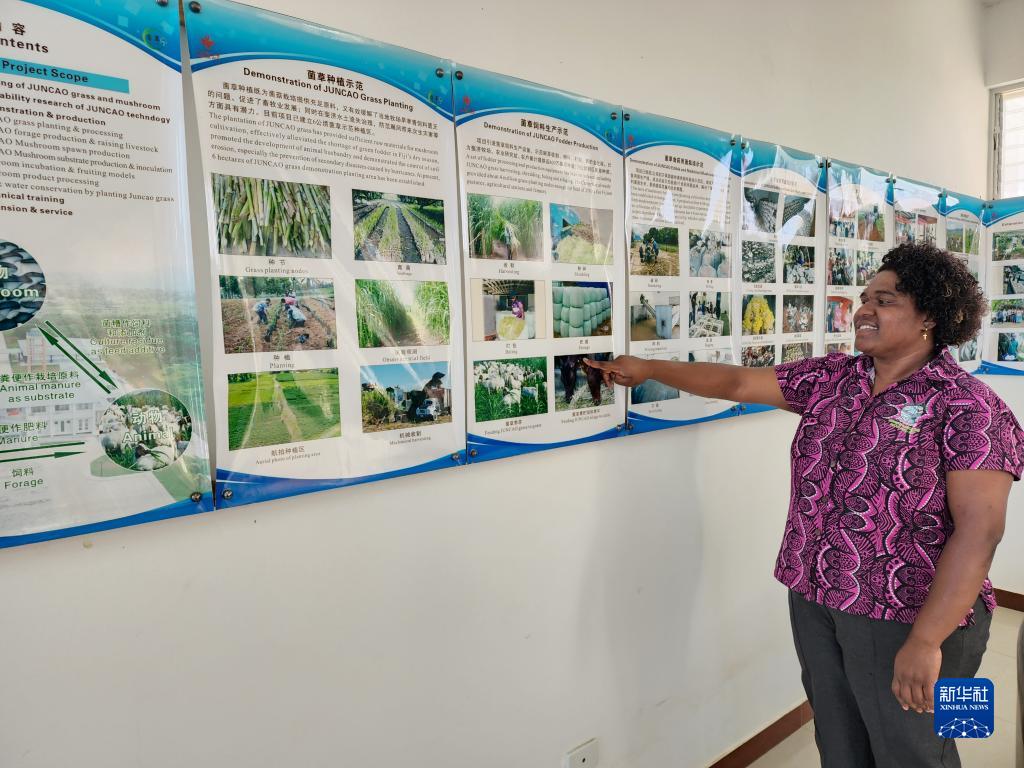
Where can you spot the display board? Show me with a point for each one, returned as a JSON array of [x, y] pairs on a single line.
[[917, 212], [682, 187], [99, 383], [784, 310], [963, 237], [860, 232], [329, 175], [1004, 232], [542, 210]]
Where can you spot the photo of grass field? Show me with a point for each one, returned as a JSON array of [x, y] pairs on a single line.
[[391, 227], [505, 228], [654, 251], [580, 235], [397, 313], [266, 217], [283, 407], [955, 236], [1008, 245], [508, 389], [972, 238], [277, 314]]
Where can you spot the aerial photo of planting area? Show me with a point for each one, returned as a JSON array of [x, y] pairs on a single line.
[[283, 407], [390, 227], [397, 313], [265, 217], [277, 314]]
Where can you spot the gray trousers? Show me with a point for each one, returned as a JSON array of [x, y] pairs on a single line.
[[846, 665]]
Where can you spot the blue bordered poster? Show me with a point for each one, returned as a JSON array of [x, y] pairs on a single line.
[[1004, 240], [102, 421], [917, 213], [682, 186], [963, 237], [783, 310], [329, 175], [542, 207]]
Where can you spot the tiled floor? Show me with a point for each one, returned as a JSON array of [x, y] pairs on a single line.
[[997, 751]]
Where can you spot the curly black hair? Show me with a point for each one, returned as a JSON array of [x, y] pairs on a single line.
[[942, 287]]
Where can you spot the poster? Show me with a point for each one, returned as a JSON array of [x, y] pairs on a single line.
[[542, 211], [860, 232], [917, 213], [682, 187], [329, 175], [963, 237], [784, 308], [1004, 232], [102, 420]]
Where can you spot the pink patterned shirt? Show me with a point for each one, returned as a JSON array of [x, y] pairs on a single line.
[[868, 516]]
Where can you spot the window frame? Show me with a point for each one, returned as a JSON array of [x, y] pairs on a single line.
[[995, 144]]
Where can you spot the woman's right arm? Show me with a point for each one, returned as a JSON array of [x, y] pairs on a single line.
[[728, 382]]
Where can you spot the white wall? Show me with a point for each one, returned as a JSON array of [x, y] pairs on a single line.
[[499, 614], [1004, 54]]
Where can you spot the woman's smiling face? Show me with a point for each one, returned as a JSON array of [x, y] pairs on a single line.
[[888, 321]]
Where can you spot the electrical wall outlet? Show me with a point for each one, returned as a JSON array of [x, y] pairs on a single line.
[[583, 756]]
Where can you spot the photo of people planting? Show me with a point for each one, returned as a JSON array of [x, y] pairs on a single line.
[[391, 227], [265, 217], [508, 389], [267, 408], [398, 313], [395, 396], [277, 314], [654, 251], [505, 228], [577, 385], [581, 235], [581, 309]]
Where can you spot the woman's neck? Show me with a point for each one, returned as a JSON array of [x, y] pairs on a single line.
[[893, 368]]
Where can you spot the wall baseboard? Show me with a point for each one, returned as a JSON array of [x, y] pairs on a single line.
[[770, 737], [1012, 600]]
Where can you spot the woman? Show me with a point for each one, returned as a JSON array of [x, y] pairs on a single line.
[[900, 457]]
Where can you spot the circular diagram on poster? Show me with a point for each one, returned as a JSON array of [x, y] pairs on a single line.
[[22, 286], [145, 430]]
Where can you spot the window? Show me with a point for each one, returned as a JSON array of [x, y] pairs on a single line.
[[1008, 144]]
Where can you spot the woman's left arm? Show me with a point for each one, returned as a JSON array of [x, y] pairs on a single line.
[[977, 503]]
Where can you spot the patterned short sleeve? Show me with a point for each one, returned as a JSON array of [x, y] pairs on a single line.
[[799, 380], [982, 433]]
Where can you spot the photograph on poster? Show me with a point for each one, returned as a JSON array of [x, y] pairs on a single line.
[[927, 229], [578, 385], [904, 227], [868, 263], [581, 235], [839, 347], [505, 228], [758, 356], [968, 351], [1013, 279], [799, 351], [709, 314], [842, 227], [271, 408], [652, 391], [758, 262], [654, 251], [708, 255], [711, 356], [583, 309], [1007, 245], [871, 224], [798, 264], [797, 216], [840, 266], [972, 264], [266, 217], [758, 314], [653, 315], [1011, 347], [760, 207], [391, 227], [972, 238], [1007, 313], [797, 314], [145, 430], [402, 313], [955, 237], [23, 283], [396, 396], [508, 389], [509, 309], [838, 314], [277, 314]]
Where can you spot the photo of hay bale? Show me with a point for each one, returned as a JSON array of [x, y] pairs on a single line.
[[758, 314], [277, 314], [398, 313], [654, 251], [654, 315], [577, 385], [758, 262], [508, 389], [22, 286], [266, 217], [581, 235], [392, 227], [798, 264], [400, 395], [505, 228], [758, 356], [797, 216], [709, 253], [871, 224], [145, 430], [709, 314], [840, 266], [273, 408], [1007, 245], [798, 351], [652, 391], [797, 313], [581, 309], [506, 310], [760, 208]]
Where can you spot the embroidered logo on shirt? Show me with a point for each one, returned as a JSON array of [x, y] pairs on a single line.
[[908, 417]]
